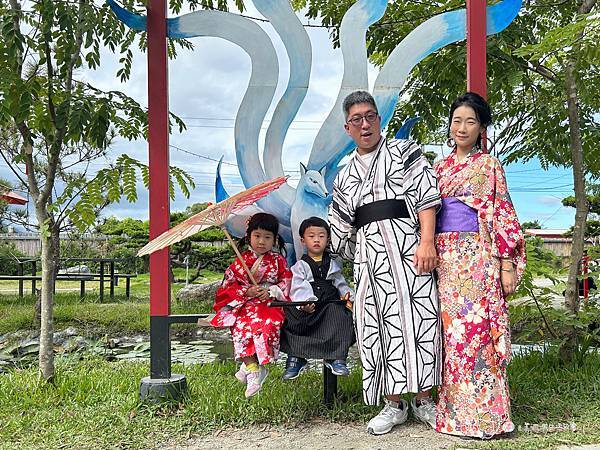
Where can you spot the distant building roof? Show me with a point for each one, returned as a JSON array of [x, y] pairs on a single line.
[[12, 198], [546, 233]]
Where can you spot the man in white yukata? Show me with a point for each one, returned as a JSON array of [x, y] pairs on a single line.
[[383, 218]]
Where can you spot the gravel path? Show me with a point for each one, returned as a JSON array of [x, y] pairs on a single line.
[[320, 435]]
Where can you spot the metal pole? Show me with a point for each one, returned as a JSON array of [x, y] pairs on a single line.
[[158, 157], [329, 386], [101, 281], [112, 279], [20, 273], [476, 51], [158, 153]]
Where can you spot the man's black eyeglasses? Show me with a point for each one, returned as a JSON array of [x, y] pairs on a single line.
[[357, 121]]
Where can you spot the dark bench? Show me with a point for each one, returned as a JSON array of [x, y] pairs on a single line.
[[107, 272], [329, 379], [81, 277]]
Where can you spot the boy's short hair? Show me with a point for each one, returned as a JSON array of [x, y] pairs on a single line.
[[314, 222]]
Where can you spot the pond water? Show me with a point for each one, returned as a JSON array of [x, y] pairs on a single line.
[[20, 350]]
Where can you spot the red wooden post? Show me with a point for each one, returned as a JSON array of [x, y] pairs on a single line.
[[158, 148], [476, 51], [476, 47], [584, 271]]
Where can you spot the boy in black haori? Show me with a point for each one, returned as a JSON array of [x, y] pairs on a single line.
[[322, 329]]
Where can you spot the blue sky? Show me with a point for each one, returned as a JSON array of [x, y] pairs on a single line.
[[537, 194], [206, 88]]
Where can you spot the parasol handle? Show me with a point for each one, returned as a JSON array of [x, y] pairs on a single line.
[[239, 255]]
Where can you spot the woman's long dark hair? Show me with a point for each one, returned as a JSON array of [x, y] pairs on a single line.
[[267, 222], [479, 105]]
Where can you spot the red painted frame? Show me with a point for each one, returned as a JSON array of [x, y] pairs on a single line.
[[586, 284], [476, 47], [158, 152]]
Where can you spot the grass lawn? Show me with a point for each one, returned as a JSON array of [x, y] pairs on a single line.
[[94, 404], [118, 315]]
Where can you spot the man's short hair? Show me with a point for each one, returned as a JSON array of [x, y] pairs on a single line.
[[356, 97], [314, 222]]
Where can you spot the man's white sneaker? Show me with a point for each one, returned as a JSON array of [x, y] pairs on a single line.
[[425, 412], [391, 415]]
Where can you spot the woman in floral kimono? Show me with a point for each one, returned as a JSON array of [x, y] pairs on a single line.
[[481, 259], [242, 306]]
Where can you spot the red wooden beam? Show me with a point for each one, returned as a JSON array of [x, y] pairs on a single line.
[[476, 47], [158, 150]]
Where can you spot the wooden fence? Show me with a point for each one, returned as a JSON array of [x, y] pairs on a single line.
[[30, 245]]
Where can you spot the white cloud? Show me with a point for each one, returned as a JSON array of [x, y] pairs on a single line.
[[549, 200]]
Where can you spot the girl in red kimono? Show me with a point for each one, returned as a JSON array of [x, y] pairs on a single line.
[[242, 306], [481, 254]]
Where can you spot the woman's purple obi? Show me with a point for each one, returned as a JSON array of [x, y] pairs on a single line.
[[456, 216]]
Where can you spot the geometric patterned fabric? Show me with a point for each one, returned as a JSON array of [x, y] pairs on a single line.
[[396, 311]]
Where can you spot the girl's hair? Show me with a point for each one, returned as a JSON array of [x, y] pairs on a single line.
[[479, 105], [267, 222]]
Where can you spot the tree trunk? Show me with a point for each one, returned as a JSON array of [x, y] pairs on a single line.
[[37, 310], [581, 204], [50, 255]]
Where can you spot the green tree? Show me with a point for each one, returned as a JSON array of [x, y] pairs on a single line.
[[128, 228], [592, 228], [593, 202], [535, 224], [195, 208], [57, 124], [129, 235], [210, 234]]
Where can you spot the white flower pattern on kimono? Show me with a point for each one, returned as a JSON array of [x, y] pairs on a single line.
[[476, 314]]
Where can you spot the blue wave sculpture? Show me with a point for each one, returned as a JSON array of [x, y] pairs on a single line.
[[299, 50], [220, 192], [406, 128], [332, 144]]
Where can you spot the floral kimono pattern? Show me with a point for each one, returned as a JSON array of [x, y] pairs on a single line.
[[254, 325], [474, 398]]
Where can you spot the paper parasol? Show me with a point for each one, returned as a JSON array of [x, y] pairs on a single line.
[[214, 215]]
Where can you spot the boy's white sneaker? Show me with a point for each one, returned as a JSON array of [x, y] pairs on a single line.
[[391, 415]]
